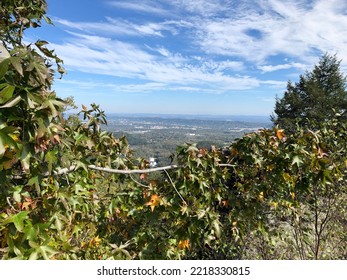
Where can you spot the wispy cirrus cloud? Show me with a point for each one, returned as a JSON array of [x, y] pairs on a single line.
[[121, 27], [206, 46], [152, 7], [243, 30], [100, 55], [296, 28], [272, 68]]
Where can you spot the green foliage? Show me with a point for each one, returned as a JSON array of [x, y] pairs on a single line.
[[300, 181], [317, 96], [240, 202]]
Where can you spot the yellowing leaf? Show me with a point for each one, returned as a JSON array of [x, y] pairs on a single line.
[[261, 196], [274, 204], [280, 134], [287, 177], [153, 202], [14, 137], [183, 244], [9, 163], [95, 242]]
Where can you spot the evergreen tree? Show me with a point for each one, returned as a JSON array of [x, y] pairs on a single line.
[[318, 96]]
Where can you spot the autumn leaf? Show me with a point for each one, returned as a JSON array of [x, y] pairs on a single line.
[[280, 134], [9, 163], [292, 194], [153, 202], [234, 151], [95, 242], [225, 203], [261, 196], [183, 244], [274, 204]]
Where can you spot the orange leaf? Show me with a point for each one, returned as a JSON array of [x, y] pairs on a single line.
[[153, 202], [182, 244], [280, 134], [25, 205], [225, 203]]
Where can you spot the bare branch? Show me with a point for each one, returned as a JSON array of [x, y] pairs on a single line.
[[133, 171]]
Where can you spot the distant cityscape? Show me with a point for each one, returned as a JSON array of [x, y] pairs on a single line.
[[156, 137]]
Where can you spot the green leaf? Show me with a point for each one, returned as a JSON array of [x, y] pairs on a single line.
[[6, 92], [17, 194], [3, 67], [13, 102], [33, 255], [30, 233], [297, 160], [61, 69], [217, 229], [25, 158], [47, 19], [6, 140], [3, 53], [46, 252], [57, 223], [17, 64], [50, 157], [34, 181], [40, 69], [17, 220], [41, 43]]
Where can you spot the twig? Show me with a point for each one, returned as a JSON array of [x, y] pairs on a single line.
[[226, 165], [172, 183], [10, 204], [137, 182]]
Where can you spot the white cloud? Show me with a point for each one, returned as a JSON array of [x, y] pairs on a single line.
[[294, 28], [272, 68], [250, 31], [275, 84], [217, 40], [99, 55], [124, 27], [204, 8], [142, 6]]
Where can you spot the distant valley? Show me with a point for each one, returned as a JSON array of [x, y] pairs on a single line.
[[158, 136]]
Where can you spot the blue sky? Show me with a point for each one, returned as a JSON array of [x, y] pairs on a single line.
[[220, 57]]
